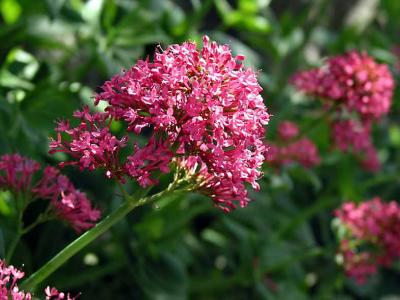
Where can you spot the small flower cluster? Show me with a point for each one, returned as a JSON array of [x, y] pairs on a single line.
[[8, 283], [200, 105], [91, 143], [354, 79], [217, 188], [9, 276], [288, 149], [353, 136], [16, 172], [371, 236], [356, 85], [66, 202], [287, 130], [54, 294]]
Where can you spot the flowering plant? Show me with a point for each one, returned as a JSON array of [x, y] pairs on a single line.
[[205, 116], [132, 149]]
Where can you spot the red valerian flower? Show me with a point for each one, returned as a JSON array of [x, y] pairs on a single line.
[[371, 239], [350, 135], [304, 152], [287, 130], [354, 136], [53, 294], [16, 172], [226, 194], [154, 156], [370, 160], [66, 202], [91, 143], [9, 277], [195, 103], [354, 79], [288, 149]]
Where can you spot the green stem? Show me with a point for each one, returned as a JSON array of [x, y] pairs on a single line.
[[64, 255], [41, 219], [17, 237], [13, 245]]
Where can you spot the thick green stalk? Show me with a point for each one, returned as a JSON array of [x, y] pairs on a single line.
[[13, 245], [86, 238], [17, 236]]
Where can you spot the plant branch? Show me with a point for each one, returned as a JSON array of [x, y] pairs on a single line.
[[89, 236]]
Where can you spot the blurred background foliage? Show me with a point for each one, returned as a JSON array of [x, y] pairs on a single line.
[[53, 56]]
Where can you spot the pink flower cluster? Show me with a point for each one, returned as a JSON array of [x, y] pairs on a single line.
[[9, 276], [288, 149], [354, 136], [197, 104], [16, 172], [54, 294], [91, 143], [373, 226], [354, 79], [219, 189], [355, 83], [287, 130], [67, 203], [8, 283]]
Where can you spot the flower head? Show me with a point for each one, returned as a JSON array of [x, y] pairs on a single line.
[[304, 152], [351, 135], [373, 226], [91, 143], [67, 203], [154, 156], [287, 130], [201, 103], [16, 172], [9, 277], [288, 149], [53, 294], [354, 136], [354, 79]]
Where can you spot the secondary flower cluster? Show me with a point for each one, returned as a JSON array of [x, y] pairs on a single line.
[[354, 79], [371, 236], [354, 136], [16, 172], [289, 148], [197, 104], [355, 84], [9, 276], [66, 202]]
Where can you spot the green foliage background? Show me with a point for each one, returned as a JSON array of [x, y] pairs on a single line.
[[55, 53]]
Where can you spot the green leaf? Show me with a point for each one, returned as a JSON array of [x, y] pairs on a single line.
[[214, 237], [394, 135], [7, 79], [10, 11], [91, 11]]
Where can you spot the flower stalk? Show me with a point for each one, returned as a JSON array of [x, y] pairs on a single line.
[[89, 236]]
